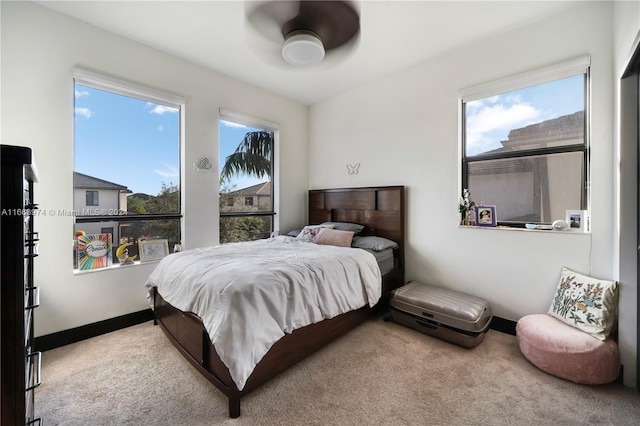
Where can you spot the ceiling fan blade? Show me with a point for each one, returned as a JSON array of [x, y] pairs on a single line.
[[268, 17]]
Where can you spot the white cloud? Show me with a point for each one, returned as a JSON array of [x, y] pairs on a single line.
[[514, 98], [160, 109], [168, 172], [501, 117], [488, 125], [80, 94], [85, 112]]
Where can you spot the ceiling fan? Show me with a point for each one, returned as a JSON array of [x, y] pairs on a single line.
[[306, 31]]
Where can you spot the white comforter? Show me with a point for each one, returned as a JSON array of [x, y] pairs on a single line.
[[249, 294]]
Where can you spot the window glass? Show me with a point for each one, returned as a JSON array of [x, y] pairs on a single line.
[[532, 189], [92, 198], [526, 152], [127, 157], [540, 116], [246, 182]]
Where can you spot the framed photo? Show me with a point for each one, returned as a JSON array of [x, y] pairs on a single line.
[[486, 215], [153, 249], [577, 220], [94, 251]]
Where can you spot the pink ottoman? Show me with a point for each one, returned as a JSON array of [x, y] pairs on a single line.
[[567, 352]]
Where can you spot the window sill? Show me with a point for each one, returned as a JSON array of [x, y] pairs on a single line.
[[114, 266], [537, 231]]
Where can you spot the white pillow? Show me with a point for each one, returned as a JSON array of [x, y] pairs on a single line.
[[373, 243], [309, 232], [356, 228], [587, 303]]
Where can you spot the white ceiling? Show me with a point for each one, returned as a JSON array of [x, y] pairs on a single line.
[[394, 35]]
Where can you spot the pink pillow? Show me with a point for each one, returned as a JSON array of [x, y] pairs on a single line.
[[333, 237], [309, 232]]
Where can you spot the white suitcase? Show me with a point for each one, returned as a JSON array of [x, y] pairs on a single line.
[[447, 314]]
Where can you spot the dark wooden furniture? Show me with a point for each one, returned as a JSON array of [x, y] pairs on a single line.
[[380, 209], [20, 372]]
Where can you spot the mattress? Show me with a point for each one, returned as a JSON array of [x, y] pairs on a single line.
[[385, 259]]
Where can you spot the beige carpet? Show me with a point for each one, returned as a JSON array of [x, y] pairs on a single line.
[[378, 374]]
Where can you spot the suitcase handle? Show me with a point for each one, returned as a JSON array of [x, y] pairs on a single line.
[[426, 324]]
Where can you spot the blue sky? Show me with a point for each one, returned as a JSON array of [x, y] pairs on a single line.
[[136, 143], [490, 119], [126, 141]]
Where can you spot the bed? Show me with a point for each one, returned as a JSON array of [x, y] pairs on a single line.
[[380, 210]]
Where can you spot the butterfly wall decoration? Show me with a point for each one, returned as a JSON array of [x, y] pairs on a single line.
[[353, 169], [202, 164]]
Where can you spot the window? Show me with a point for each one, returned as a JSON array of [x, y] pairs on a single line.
[[525, 143], [127, 142], [247, 184], [92, 198]]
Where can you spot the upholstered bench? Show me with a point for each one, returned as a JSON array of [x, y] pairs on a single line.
[[567, 352]]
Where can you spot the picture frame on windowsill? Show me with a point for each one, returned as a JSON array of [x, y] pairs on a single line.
[[578, 220], [153, 249], [486, 215]]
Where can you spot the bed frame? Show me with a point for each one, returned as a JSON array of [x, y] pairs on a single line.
[[380, 209]]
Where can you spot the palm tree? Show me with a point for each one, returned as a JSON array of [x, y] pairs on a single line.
[[252, 156]]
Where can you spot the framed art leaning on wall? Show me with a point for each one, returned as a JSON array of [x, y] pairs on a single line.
[[577, 220], [153, 249]]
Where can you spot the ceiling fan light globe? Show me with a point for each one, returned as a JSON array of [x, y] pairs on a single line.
[[303, 49]]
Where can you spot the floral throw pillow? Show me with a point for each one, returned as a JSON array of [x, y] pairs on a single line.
[[309, 232], [587, 303]]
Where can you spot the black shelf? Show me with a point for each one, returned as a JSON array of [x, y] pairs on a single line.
[[20, 373]]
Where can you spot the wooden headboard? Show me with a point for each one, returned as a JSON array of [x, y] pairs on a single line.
[[379, 208]]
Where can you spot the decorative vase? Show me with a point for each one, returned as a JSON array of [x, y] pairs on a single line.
[[467, 219]]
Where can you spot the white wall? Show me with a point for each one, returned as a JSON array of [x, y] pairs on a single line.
[[626, 33], [40, 49], [403, 129]]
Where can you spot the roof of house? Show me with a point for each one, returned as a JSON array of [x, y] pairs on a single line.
[[259, 189], [83, 181], [556, 130]]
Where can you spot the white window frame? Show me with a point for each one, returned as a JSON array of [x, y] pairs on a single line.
[[119, 86]]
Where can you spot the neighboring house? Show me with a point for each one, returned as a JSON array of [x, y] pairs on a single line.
[[563, 130], [97, 197], [531, 177], [256, 198]]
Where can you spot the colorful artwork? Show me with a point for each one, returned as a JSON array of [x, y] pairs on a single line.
[[94, 251]]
